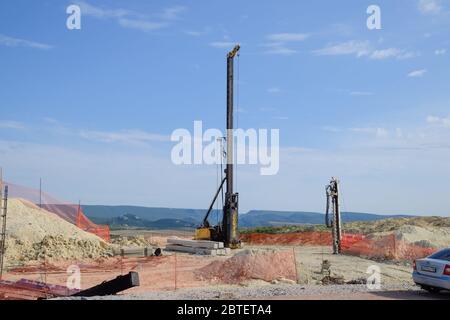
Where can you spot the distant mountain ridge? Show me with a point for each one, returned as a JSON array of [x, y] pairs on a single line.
[[171, 218]]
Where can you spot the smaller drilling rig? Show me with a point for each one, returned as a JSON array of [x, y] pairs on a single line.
[[332, 194]]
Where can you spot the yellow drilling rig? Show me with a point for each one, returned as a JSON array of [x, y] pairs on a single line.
[[227, 230]]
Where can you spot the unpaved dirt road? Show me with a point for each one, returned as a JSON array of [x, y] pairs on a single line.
[[376, 295], [309, 261]]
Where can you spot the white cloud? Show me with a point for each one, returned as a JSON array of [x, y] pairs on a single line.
[[331, 129], [378, 132], [7, 124], [357, 48], [267, 109], [278, 43], [125, 136], [193, 33], [366, 163], [391, 53], [281, 118], [222, 44], [363, 49], [440, 52], [141, 24], [439, 120], [288, 37], [274, 90], [417, 73], [430, 6], [131, 19], [103, 13], [16, 42], [278, 48], [198, 33], [361, 93], [173, 13]]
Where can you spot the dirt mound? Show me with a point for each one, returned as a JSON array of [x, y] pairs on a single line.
[[33, 233], [426, 232], [143, 241], [428, 236], [267, 265], [134, 241], [393, 224]]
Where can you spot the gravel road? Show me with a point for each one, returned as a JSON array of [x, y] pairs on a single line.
[[284, 292]]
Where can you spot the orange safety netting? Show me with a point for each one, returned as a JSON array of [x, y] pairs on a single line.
[[166, 272], [70, 212], [386, 247], [297, 238]]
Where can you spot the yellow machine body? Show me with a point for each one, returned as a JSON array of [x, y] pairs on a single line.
[[203, 234]]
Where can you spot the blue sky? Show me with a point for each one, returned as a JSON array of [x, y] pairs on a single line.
[[90, 111]]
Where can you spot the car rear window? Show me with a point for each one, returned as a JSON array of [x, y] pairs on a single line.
[[441, 255]]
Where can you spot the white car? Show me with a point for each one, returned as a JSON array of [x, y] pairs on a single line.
[[433, 273]]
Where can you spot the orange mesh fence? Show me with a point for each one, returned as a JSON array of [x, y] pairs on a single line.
[[297, 238], [386, 247], [164, 273], [383, 247], [69, 212]]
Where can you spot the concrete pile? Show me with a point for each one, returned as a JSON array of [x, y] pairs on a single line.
[[203, 247]]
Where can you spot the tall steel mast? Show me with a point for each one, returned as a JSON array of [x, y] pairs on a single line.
[[332, 191], [230, 210]]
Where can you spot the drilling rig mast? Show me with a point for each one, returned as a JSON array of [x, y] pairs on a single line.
[[332, 193], [227, 231]]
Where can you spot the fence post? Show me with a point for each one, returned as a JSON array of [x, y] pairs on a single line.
[[175, 255], [395, 246], [295, 265]]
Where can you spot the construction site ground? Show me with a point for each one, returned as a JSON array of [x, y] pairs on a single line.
[[43, 247], [175, 276]]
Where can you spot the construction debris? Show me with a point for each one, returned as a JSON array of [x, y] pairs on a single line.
[[203, 247], [329, 280], [25, 289], [137, 251], [106, 288]]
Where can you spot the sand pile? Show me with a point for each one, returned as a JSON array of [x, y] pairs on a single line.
[[394, 224], [267, 265], [33, 233], [144, 241], [420, 231], [437, 237], [133, 241]]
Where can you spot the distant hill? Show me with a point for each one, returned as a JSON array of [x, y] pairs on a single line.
[[170, 218], [260, 218]]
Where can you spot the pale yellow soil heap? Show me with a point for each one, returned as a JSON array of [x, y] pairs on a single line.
[[426, 231], [34, 234]]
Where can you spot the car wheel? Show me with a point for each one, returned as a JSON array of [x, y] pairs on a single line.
[[431, 289]]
